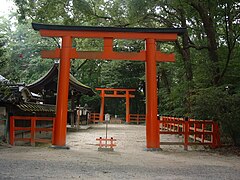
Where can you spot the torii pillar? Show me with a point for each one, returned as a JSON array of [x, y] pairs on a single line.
[[152, 127], [60, 131], [150, 56]]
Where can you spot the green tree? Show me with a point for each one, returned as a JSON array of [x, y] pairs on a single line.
[[23, 46]]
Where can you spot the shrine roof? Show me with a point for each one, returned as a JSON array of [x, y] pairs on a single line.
[[34, 107], [37, 27], [50, 78]]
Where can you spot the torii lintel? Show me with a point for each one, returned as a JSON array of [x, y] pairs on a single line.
[[108, 34]]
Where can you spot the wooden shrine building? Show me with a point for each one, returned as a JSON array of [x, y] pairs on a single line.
[[46, 86], [37, 99]]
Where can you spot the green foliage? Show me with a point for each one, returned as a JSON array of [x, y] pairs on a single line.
[[3, 57], [22, 61], [92, 102], [218, 103]]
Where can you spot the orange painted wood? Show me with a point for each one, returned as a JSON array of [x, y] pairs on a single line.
[[138, 118], [108, 55], [186, 135], [127, 106], [33, 135], [118, 96], [12, 131], [114, 93], [22, 128], [115, 89], [32, 129], [152, 124], [63, 88], [102, 107], [202, 132], [94, 117], [106, 142]]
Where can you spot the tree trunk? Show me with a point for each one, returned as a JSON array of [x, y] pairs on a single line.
[[208, 24], [185, 51], [162, 76]]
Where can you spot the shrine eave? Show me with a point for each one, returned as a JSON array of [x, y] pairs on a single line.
[[38, 27], [49, 78]]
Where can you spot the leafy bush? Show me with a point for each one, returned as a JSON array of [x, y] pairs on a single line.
[[219, 104]]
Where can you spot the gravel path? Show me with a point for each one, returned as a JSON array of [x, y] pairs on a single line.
[[128, 161]]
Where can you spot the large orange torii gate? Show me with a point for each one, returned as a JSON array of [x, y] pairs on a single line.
[[115, 93], [150, 56]]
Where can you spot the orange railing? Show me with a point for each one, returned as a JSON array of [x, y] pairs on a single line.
[[31, 127], [137, 118], [199, 132], [94, 117], [106, 143]]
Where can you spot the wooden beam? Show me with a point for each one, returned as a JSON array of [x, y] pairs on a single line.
[[108, 55], [118, 95], [115, 89]]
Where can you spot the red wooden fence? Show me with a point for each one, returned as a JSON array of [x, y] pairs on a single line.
[[94, 117], [195, 132], [137, 118], [32, 129], [199, 132]]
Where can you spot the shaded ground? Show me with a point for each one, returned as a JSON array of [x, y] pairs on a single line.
[[128, 161]]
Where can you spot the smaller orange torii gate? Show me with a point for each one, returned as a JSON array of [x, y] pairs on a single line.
[[115, 93]]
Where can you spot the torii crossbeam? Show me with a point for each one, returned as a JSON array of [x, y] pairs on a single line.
[[150, 56]]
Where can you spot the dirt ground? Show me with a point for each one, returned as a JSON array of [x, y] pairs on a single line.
[[129, 160]]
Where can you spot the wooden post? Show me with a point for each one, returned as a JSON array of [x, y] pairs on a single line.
[[195, 131], [152, 125], [186, 133], [178, 126], [203, 134], [62, 93], [12, 131], [78, 117], [215, 135], [33, 127], [72, 109], [127, 107], [102, 107]]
